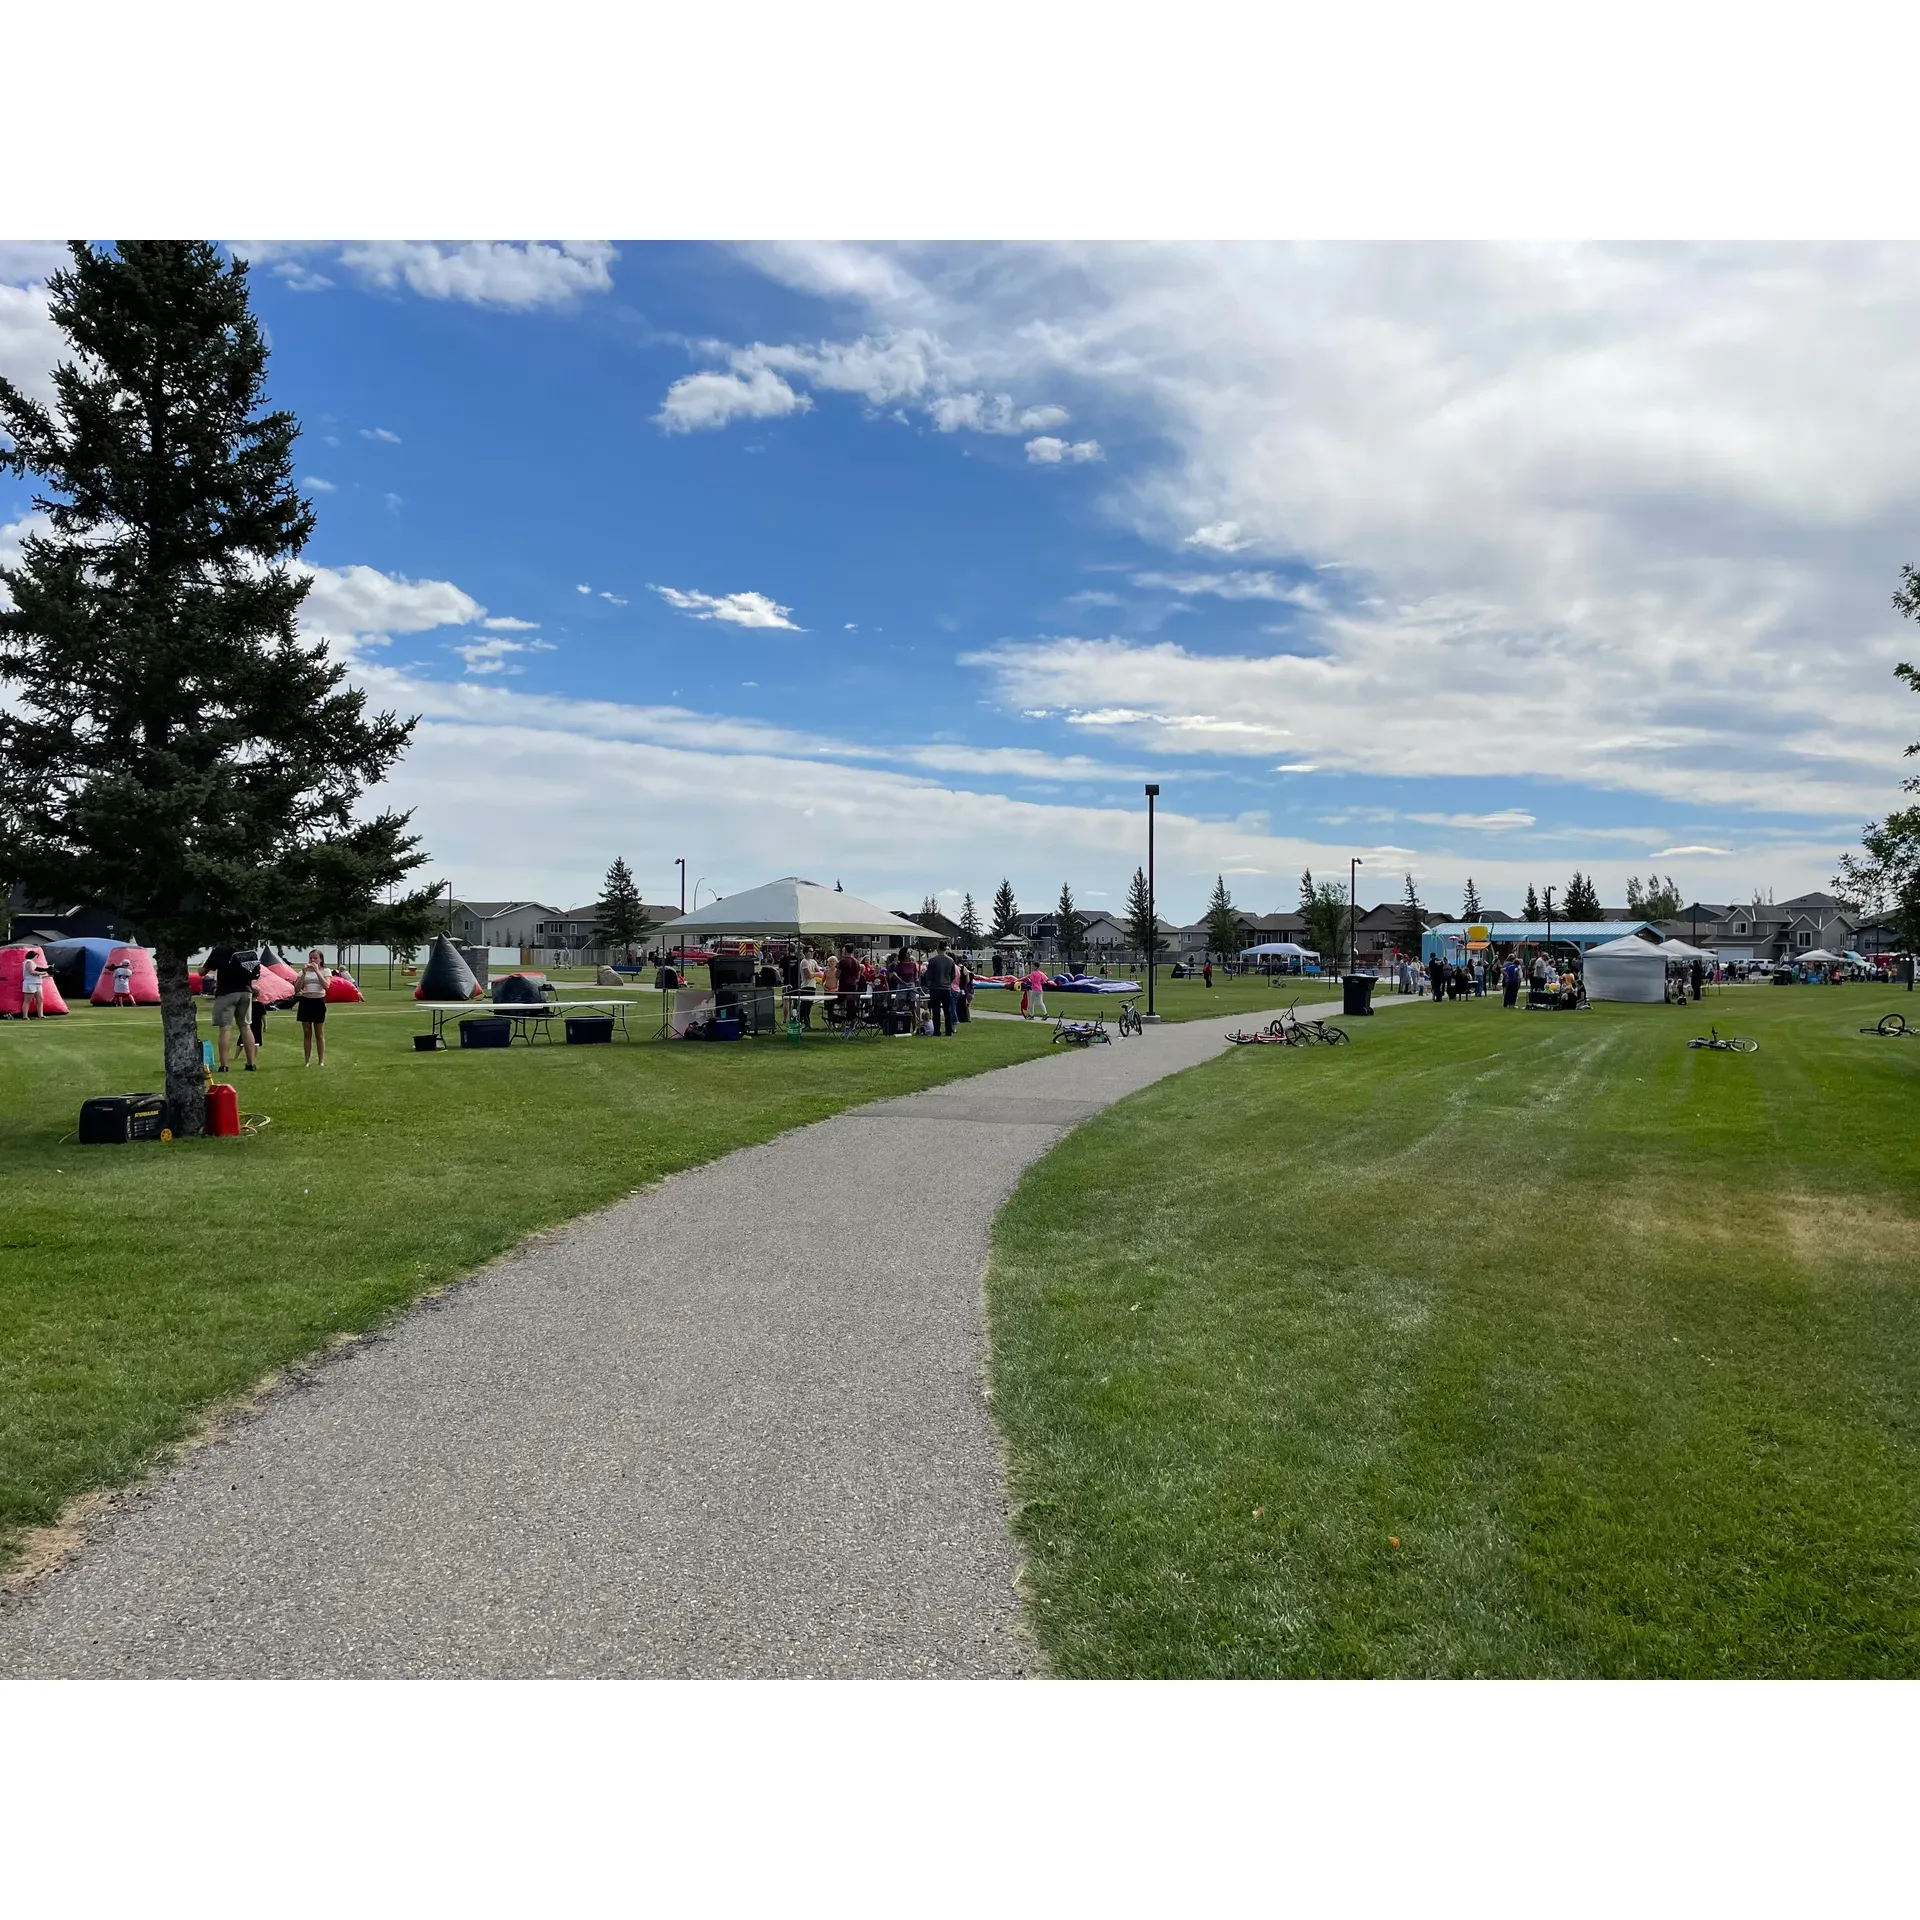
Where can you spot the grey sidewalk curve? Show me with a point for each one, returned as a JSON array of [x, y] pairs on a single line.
[[735, 1425]]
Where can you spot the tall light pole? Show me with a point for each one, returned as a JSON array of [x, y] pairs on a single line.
[[1153, 906], [1353, 916], [680, 861]]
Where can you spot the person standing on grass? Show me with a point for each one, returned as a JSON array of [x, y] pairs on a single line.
[[310, 1005], [939, 978], [123, 983], [963, 991], [1510, 983], [1206, 974], [32, 1007], [809, 985], [232, 1000]]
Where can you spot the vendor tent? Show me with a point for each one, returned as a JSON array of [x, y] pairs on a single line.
[[1679, 950], [1819, 957], [1286, 949], [794, 908], [1629, 969]]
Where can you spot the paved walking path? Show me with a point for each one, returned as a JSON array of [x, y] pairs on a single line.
[[734, 1425]]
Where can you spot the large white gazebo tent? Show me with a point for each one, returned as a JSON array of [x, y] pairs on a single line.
[[792, 908], [1628, 969]]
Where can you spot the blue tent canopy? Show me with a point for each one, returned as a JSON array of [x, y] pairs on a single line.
[[90, 955]]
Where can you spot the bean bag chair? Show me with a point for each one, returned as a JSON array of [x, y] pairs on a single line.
[[341, 991], [145, 985], [12, 1000]]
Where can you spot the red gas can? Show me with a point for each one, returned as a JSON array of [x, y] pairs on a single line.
[[223, 1110]]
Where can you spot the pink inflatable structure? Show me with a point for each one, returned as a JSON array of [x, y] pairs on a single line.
[[342, 991], [145, 985], [12, 999]]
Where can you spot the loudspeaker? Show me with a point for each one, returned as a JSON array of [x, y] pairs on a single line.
[[115, 1119]]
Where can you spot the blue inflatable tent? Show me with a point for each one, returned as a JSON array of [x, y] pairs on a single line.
[[79, 961]]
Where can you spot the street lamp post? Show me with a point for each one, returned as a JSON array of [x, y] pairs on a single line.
[[680, 861], [1353, 916], [1153, 906]]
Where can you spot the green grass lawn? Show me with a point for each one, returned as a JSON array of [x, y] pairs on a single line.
[[138, 1284], [1495, 1343]]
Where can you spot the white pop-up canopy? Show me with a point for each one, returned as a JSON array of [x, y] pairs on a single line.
[[1629, 969], [797, 908], [1679, 950], [1819, 957], [1285, 947]]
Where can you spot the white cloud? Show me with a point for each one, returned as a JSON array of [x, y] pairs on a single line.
[[1297, 766], [360, 606], [380, 433], [702, 401], [314, 481], [23, 262], [583, 589], [1050, 451], [991, 413], [1508, 820], [614, 598], [1622, 514], [515, 274], [1677, 853], [1222, 536], [1238, 585], [301, 278], [488, 656], [736, 609], [506, 623], [30, 344]]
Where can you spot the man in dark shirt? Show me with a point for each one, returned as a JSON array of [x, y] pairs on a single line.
[[233, 976], [938, 981]]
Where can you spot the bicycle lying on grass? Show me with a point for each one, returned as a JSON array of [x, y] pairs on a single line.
[[1717, 1045], [1892, 1025], [1291, 1031]]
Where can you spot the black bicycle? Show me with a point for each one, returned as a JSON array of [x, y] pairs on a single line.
[[1130, 1021], [1309, 1033], [1892, 1025], [1717, 1045]]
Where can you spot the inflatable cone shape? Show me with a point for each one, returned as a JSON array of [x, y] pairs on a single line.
[[12, 996], [144, 985], [340, 990], [447, 976], [270, 989]]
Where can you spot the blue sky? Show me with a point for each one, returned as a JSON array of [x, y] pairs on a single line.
[[907, 566]]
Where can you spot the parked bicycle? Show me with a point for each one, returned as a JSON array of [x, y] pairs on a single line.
[[1130, 1021], [1730, 1045]]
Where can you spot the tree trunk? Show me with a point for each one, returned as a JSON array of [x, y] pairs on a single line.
[[180, 1037]]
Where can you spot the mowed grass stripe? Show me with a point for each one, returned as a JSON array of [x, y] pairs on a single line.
[[1617, 1342], [139, 1284]]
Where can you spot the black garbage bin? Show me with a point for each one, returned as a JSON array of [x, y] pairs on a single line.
[[1357, 992]]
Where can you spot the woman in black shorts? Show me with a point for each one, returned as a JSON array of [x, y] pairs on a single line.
[[310, 1003]]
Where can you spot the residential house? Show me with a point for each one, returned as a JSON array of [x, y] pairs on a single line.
[[1765, 930], [501, 923]]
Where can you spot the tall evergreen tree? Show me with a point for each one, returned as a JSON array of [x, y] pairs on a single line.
[[971, 932], [1071, 924], [1470, 906], [1414, 924], [1223, 923], [170, 752], [1006, 913], [1532, 909], [1306, 890], [1583, 899], [1143, 932], [621, 914]]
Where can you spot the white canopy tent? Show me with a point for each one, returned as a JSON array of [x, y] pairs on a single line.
[[793, 908], [1629, 969], [1679, 950], [1819, 957]]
